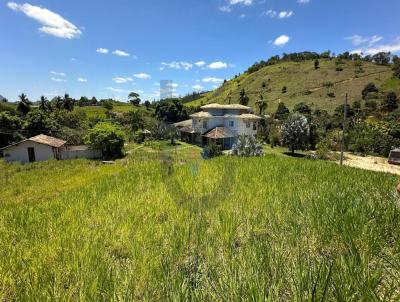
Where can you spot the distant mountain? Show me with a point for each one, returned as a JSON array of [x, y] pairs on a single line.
[[323, 88], [2, 98]]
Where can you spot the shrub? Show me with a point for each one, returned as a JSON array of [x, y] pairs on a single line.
[[107, 138], [370, 87], [247, 146], [295, 132], [138, 136], [211, 150], [284, 89]]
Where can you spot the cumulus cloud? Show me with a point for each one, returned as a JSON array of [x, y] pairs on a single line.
[[303, 1], [176, 65], [122, 80], [52, 23], [82, 80], [357, 40], [281, 40], [212, 80], [121, 53], [102, 50], [143, 76], [217, 65]]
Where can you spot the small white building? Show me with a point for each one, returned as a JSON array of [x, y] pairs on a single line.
[[43, 147], [220, 124]]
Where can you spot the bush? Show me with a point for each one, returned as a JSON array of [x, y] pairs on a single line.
[[247, 146], [211, 150], [296, 132], [138, 136], [107, 138]]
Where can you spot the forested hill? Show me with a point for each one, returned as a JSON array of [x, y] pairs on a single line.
[[323, 86]]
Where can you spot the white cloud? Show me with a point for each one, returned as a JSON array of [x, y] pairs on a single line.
[[357, 40], [176, 65], [244, 2], [228, 7], [143, 76], [53, 24], [270, 13], [242, 16], [121, 53], [118, 90], [281, 15], [62, 74], [122, 80], [58, 80], [200, 63], [217, 65], [393, 48], [102, 50], [73, 59], [212, 80], [82, 80], [303, 1], [225, 9], [285, 14], [197, 87], [281, 40]]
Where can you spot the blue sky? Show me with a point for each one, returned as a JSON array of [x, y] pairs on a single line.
[[108, 48]]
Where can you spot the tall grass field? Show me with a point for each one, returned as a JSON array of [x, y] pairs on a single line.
[[228, 229]]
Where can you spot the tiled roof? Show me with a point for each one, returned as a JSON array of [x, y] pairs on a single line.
[[187, 129], [219, 132], [244, 116], [183, 123], [221, 106], [201, 114], [47, 140]]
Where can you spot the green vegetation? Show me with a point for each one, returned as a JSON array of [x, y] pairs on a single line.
[[271, 228], [304, 83]]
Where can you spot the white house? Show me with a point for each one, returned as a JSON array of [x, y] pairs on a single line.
[[220, 124], [43, 147]]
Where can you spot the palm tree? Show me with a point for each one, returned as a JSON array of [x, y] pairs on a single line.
[[68, 102], [58, 102], [262, 104], [24, 105], [44, 104], [134, 99]]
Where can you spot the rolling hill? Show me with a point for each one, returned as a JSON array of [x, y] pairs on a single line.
[[304, 84]]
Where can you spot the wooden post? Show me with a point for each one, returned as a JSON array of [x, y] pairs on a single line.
[[343, 131]]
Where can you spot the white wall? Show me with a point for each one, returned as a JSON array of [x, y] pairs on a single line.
[[20, 152], [88, 153]]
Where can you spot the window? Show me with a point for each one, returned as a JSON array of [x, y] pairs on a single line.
[[248, 124], [254, 126], [205, 126], [231, 124]]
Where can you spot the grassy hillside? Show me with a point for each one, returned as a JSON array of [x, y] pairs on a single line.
[[229, 229], [305, 84]]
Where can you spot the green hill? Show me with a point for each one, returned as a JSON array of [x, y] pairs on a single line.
[[305, 84]]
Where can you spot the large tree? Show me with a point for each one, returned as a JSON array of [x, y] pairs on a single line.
[[44, 104], [261, 104], [295, 132], [24, 105], [243, 98], [134, 98], [390, 102], [282, 111]]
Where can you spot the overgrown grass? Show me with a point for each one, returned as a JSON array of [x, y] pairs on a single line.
[[228, 229]]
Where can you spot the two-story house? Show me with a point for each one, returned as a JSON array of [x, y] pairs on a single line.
[[220, 124]]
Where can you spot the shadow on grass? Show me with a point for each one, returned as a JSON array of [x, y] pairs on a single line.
[[294, 154]]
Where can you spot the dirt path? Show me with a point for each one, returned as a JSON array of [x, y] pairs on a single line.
[[373, 163]]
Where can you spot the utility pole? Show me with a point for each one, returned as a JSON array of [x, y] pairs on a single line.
[[343, 130]]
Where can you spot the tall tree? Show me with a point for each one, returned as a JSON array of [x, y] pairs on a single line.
[[24, 105], [282, 111], [243, 98], [295, 132], [134, 98], [44, 104], [261, 104]]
